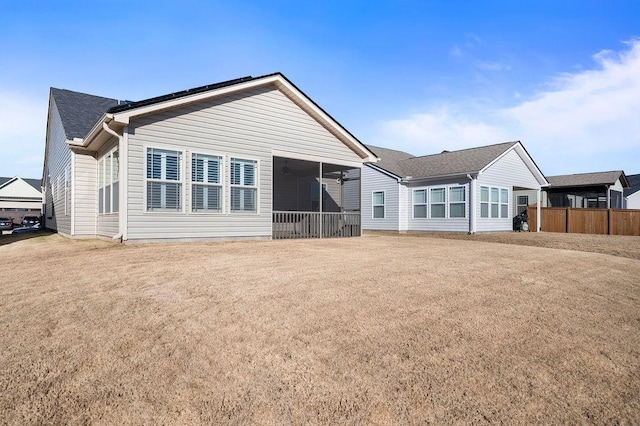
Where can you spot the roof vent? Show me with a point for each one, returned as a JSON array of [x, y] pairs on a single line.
[[444, 151]]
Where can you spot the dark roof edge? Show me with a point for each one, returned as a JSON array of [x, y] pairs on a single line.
[[180, 94], [201, 89]]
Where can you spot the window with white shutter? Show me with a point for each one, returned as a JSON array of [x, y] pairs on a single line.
[[206, 183], [243, 185], [164, 180]]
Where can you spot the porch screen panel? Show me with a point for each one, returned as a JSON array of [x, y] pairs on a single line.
[[206, 175], [164, 180]]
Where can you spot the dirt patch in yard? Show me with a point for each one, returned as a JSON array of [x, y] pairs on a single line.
[[379, 329], [615, 245]]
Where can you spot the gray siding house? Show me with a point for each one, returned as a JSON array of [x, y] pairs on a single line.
[[470, 190], [250, 158]]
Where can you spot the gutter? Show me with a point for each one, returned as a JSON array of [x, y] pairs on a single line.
[[122, 208], [472, 203]]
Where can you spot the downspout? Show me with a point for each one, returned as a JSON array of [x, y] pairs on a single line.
[[472, 204], [120, 150]]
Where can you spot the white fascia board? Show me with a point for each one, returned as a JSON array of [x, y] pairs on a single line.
[[281, 83], [315, 158], [320, 115], [522, 153], [385, 172]]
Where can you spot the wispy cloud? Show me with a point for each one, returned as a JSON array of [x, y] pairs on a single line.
[[582, 121]]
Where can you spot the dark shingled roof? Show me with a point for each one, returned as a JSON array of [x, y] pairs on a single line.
[[634, 185], [587, 179], [33, 182], [447, 163], [80, 111]]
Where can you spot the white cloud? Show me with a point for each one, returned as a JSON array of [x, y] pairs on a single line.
[[584, 121]]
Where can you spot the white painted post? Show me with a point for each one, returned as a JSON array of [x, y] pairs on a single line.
[[538, 210], [320, 198]]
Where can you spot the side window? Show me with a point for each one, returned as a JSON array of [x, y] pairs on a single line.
[[243, 185], [419, 203], [206, 183], [457, 202], [378, 204], [438, 198], [164, 180]]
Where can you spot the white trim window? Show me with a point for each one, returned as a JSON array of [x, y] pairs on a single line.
[[67, 190], [437, 205], [206, 183], [378, 204], [419, 203], [522, 203], [484, 201], [108, 182], [504, 203], [164, 180], [494, 202], [243, 185], [457, 202]]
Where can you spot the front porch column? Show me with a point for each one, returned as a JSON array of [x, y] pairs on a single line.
[[538, 210], [320, 197]]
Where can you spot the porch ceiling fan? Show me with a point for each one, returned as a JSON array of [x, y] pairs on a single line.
[[286, 170]]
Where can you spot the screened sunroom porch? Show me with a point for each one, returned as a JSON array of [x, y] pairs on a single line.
[[315, 199]]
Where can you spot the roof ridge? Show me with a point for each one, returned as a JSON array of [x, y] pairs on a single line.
[[465, 149], [589, 173]]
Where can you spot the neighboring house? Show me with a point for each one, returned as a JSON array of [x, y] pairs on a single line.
[[245, 158], [470, 190], [20, 197], [632, 193], [601, 190]]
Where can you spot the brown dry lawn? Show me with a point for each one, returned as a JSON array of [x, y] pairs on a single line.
[[375, 330]]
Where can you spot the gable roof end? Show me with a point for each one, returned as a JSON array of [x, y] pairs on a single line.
[[118, 116]]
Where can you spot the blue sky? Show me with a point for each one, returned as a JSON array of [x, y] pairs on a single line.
[[421, 76]]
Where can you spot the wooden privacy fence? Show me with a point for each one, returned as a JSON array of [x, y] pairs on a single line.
[[587, 221]]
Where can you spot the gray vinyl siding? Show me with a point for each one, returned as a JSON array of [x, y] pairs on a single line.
[[85, 200], [404, 211], [508, 172], [107, 225], [58, 157], [372, 181], [438, 224], [249, 126]]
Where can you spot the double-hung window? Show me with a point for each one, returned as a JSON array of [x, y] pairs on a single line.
[[494, 202], [243, 185], [457, 202], [438, 200], [523, 203], [206, 183], [504, 202], [419, 203], [108, 182], [378, 204], [164, 180]]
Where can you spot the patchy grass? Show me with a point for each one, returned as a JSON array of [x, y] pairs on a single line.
[[615, 245], [379, 329]]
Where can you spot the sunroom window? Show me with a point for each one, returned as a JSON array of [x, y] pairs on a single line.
[[438, 203], [419, 203], [378, 204]]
